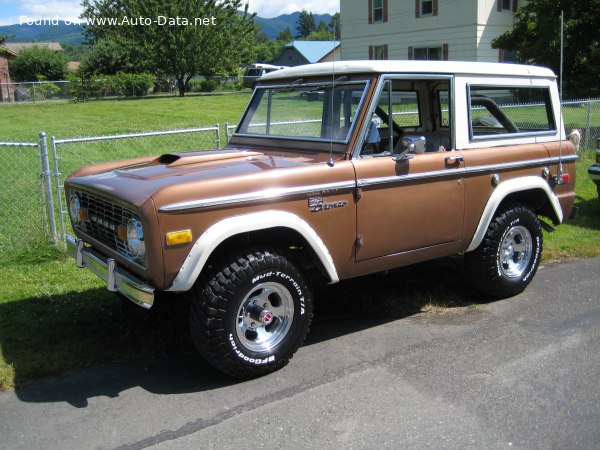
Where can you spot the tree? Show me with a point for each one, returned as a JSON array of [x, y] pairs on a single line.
[[4, 37], [535, 39], [181, 39], [305, 24], [37, 62], [334, 26], [285, 35], [321, 33]]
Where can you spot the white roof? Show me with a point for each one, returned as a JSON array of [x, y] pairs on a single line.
[[411, 66]]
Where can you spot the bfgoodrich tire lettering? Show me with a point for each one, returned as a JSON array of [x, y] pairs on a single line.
[[251, 313], [509, 255]]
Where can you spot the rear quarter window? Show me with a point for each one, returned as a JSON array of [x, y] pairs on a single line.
[[504, 110]]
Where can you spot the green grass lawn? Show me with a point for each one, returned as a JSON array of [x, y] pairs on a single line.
[[55, 318], [23, 122]]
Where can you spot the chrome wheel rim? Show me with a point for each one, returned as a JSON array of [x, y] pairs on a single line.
[[265, 317], [515, 253]]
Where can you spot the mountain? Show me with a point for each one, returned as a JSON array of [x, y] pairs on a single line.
[[272, 27], [61, 32], [72, 34]]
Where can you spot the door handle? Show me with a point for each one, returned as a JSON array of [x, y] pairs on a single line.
[[451, 160]]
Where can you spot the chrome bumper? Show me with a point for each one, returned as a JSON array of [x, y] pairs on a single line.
[[117, 280]]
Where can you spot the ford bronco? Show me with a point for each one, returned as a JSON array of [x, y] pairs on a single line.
[[335, 170]]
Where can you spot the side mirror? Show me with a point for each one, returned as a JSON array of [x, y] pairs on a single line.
[[415, 144]]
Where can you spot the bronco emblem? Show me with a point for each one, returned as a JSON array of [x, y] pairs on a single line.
[[316, 204]]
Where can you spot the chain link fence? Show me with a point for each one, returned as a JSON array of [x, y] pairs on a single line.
[[80, 90], [32, 204], [22, 196]]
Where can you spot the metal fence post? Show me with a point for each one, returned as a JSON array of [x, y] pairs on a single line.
[[226, 132], [218, 138], [58, 186], [588, 124], [48, 187]]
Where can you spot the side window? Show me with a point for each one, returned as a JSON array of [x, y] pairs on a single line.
[[509, 110], [407, 111]]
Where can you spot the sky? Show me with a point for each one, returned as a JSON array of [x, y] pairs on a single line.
[[11, 11]]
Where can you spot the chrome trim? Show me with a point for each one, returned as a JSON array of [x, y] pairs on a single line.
[[413, 176], [525, 163], [117, 279], [462, 171], [265, 194]]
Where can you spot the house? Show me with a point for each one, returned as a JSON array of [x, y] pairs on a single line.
[[297, 53], [9, 50], [425, 29], [6, 90]]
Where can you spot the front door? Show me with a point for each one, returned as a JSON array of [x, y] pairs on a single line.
[[416, 202]]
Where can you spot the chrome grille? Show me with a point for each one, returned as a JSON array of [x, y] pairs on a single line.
[[102, 221]]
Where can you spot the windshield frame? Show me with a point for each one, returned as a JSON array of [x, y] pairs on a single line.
[[292, 86]]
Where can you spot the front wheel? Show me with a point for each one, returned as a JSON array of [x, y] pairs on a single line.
[[251, 313], [509, 255]]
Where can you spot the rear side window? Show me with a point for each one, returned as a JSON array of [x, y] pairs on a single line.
[[509, 110]]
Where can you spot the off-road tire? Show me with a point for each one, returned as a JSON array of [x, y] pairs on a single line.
[[226, 305], [509, 255]]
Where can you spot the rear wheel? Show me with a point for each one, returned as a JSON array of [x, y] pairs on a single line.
[[251, 313], [509, 255]]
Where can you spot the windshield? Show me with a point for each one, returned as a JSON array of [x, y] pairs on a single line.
[[307, 111]]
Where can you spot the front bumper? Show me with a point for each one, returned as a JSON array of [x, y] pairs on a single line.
[[117, 279], [594, 171]]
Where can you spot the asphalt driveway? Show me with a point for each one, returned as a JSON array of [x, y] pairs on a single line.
[[517, 373]]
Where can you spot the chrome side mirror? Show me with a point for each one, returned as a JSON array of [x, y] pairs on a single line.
[[410, 143]]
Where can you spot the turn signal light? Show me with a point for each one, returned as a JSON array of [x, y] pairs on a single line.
[[179, 237]]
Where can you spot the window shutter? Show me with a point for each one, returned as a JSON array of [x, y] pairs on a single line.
[[410, 53], [499, 6], [385, 51], [500, 55], [370, 52], [435, 7], [385, 10], [515, 5], [370, 11], [445, 52], [417, 8]]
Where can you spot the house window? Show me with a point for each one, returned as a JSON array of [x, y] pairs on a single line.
[[377, 10], [506, 56], [507, 5], [428, 53], [426, 7], [378, 51]]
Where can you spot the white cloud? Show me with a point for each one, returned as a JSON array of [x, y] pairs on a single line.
[[274, 8], [63, 9]]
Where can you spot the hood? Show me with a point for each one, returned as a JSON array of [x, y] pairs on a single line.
[[205, 171]]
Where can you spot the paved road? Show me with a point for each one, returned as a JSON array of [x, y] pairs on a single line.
[[518, 373]]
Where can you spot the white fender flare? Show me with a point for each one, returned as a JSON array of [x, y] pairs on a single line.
[[226, 228], [506, 188]]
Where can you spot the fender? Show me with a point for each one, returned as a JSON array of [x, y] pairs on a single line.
[[226, 228], [509, 187]]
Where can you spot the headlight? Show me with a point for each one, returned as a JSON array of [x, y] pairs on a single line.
[[135, 239], [75, 208]]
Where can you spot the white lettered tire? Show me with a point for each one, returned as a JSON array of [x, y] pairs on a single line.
[[251, 313], [510, 253]]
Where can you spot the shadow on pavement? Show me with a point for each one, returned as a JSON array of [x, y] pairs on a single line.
[[157, 351]]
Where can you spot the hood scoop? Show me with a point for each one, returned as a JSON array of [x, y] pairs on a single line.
[[184, 159]]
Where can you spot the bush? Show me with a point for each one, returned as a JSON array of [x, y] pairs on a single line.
[[122, 84], [35, 61]]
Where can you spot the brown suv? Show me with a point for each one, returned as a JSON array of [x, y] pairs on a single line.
[[338, 169]]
